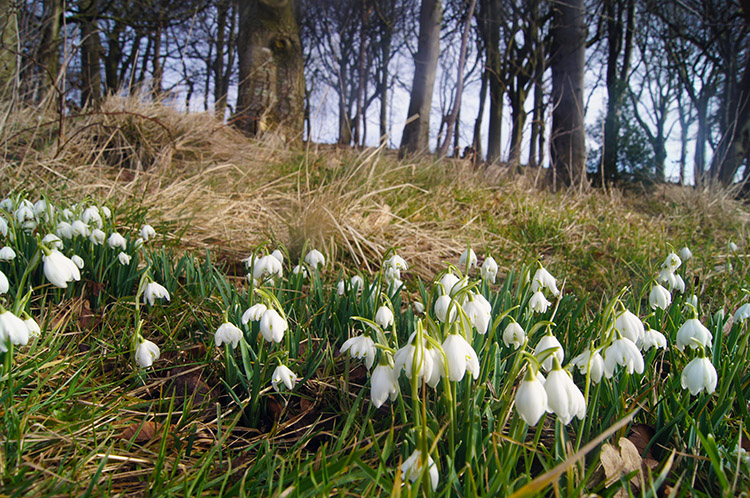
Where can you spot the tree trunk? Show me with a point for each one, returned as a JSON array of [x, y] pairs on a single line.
[[417, 131], [271, 91], [49, 48], [497, 89], [91, 79], [568, 142], [684, 116], [701, 137], [477, 140], [9, 48]]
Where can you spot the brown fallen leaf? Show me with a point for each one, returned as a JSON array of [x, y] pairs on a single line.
[[617, 463], [141, 432]]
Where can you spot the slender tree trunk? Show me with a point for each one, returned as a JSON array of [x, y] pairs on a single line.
[[49, 48], [477, 140], [91, 79], [345, 125], [362, 83], [536, 144], [416, 133], [158, 73], [497, 88], [385, 50], [9, 48], [271, 89], [568, 143], [684, 116], [220, 94]]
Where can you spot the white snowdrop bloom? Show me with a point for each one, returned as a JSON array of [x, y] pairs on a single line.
[[666, 277], [147, 232], [383, 385], [254, 313], [742, 313], [357, 283], [652, 339], [659, 297], [40, 207], [80, 229], [117, 240], [672, 262], [59, 269], [694, 334], [315, 258], [468, 256], [278, 255], [146, 353], [300, 269], [53, 241], [685, 253], [97, 237], [106, 212], [449, 281], [438, 366], [67, 214], [679, 284], [479, 312], [397, 263], [694, 301], [411, 468], [4, 284], [267, 266], [460, 358], [7, 204], [413, 359], [586, 364], [629, 325], [12, 329], [228, 333], [549, 342], [625, 353], [92, 217], [283, 375], [489, 269], [563, 396], [732, 246], [273, 325], [249, 261], [26, 217], [64, 230], [515, 335], [544, 280], [8, 254], [446, 309], [699, 375], [3, 227], [531, 400], [538, 303], [153, 291], [384, 317], [391, 274], [32, 326], [341, 287], [418, 307], [124, 258], [78, 261], [362, 348]]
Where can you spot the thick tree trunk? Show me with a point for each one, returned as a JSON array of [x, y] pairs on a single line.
[[9, 48], [91, 50], [416, 133], [568, 142], [49, 47], [271, 89]]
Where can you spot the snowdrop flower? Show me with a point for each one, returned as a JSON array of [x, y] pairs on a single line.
[[396, 262], [414, 360], [543, 279], [12, 328], [699, 375], [489, 269], [300, 269], [253, 313], [479, 312], [64, 230], [341, 288], [59, 269], [438, 366], [153, 291], [67, 214], [249, 261], [531, 399], [315, 258], [411, 468], [117, 240], [446, 309], [383, 384], [515, 335], [92, 217], [418, 307], [693, 333], [282, 374], [52, 241], [77, 260], [40, 207], [147, 233], [685, 253], [586, 364], [449, 281], [124, 258], [32, 327], [659, 297], [625, 353], [460, 358], [146, 353], [79, 228], [272, 325], [732, 246], [26, 217], [563, 396], [652, 339], [549, 342], [97, 237], [384, 317], [672, 262], [629, 325], [3, 227], [742, 313], [679, 284], [267, 266], [4, 284], [361, 347], [105, 211], [357, 283], [278, 255], [8, 254], [538, 303], [228, 333], [391, 274], [666, 277], [468, 256], [7, 204]]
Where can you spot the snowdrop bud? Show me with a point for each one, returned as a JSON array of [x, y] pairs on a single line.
[[361, 347], [383, 384], [97, 237], [659, 297], [117, 240], [694, 334], [443, 306], [283, 375], [549, 342], [515, 335], [12, 328], [147, 232], [538, 303], [625, 353], [694, 301], [228, 333], [59, 269], [468, 256], [531, 399], [64, 230], [153, 291], [411, 468], [273, 325], [489, 269], [8, 254], [146, 353], [672, 262], [124, 258], [53, 241], [77, 260], [685, 253], [384, 317], [315, 258], [254, 313], [460, 358], [679, 284], [699, 375], [341, 288], [4, 284]]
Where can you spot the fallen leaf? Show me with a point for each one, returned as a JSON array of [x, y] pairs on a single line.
[[141, 432], [620, 462]]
